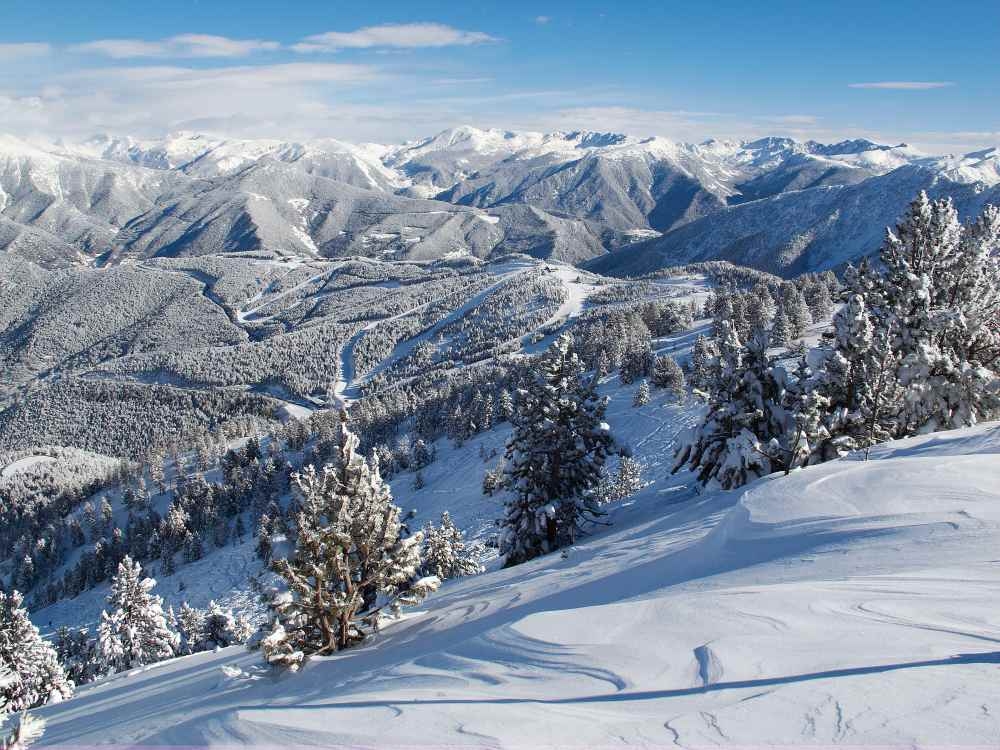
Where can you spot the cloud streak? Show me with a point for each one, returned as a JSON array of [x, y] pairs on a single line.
[[398, 36], [179, 46], [902, 85], [24, 50]]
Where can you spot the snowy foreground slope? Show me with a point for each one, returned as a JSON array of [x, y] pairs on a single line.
[[851, 603]]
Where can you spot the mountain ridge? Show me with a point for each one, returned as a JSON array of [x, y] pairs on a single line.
[[591, 193]]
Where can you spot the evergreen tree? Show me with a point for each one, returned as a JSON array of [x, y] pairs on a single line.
[[191, 629], [77, 652], [667, 374], [35, 675], [641, 397], [750, 428], [939, 294], [445, 553], [555, 456], [625, 483], [702, 357], [506, 405], [349, 553], [932, 359], [818, 301], [793, 304], [781, 329], [853, 378], [135, 631], [220, 628], [264, 544], [603, 367]]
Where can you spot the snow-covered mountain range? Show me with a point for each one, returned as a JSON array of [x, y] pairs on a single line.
[[574, 196]]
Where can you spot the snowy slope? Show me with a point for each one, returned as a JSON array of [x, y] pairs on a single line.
[[849, 603]]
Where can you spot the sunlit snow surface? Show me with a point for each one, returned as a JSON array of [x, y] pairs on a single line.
[[851, 603]]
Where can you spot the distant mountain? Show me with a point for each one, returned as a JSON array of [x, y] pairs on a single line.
[[794, 232], [578, 196]]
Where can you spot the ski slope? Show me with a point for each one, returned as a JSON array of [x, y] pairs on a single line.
[[851, 603]]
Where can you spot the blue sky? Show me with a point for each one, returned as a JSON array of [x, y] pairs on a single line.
[[921, 72]]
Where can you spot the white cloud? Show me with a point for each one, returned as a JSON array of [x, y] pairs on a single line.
[[459, 81], [902, 85], [542, 20], [296, 98], [179, 46], [245, 76], [23, 50], [790, 119], [403, 36]]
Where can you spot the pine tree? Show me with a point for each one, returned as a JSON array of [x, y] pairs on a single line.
[[625, 483], [135, 631], [703, 355], [191, 629], [445, 553], [36, 676], [851, 372], [264, 545], [934, 306], [348, 555], [750, 429], [494, 479], [781, 329], [818, 301], [756, 312], [220, 628], [555, 456], [77, 652], [641, 397], [939, 291], [667, 374], [793, 304], [506, 405]]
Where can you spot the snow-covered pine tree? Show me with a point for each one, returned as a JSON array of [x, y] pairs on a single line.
[[793, 304], [641, 397], [935, 305], [135, 631], [191, 629], [554, 457], [818, 300], [626, 482], [756, 312], [350, 561], [77, 652], [506, 407], [781, 329], [494, 479], [220, 628], [940, 287], [603, 366], [445, 553], [703, 356], [858, 381], [749, 430], [667, 374], [36, 677]]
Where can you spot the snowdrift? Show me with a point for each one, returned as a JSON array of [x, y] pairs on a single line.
[[854, 602]]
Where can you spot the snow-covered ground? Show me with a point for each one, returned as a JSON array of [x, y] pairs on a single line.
[[849, 603], [24, 464]]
